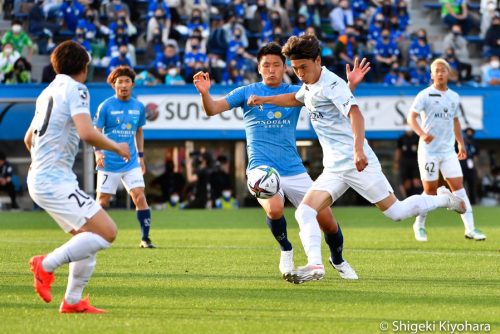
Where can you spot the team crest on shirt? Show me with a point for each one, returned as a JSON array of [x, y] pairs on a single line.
[[84, 94]]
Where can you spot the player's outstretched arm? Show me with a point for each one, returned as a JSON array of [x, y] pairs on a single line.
[[358, 131], [358, 72], [211, 106], [282, 100], [413, 123], [457, 129], [93, 137]]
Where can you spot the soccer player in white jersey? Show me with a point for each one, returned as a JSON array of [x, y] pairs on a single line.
[[438, 106], [121, 118], [274, 145], [61, 118], [347, 158]]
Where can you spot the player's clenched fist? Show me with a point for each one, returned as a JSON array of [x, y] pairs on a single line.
[[254, 100], [123, 150]]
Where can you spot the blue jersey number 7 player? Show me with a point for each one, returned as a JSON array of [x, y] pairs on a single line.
[[270, 134], [121, 118]]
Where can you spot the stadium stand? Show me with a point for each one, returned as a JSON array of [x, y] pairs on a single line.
[[147, 26]]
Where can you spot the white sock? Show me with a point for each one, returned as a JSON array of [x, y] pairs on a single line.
[[80, 247], [420, 220], [467, 217], [310, 233], [79, 275], [415, 205]]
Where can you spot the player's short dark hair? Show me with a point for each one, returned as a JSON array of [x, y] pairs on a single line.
[[69, 58], [121, 71], [270, 49], [303, 47]]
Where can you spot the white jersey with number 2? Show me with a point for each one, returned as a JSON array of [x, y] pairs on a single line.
[[55, 139]]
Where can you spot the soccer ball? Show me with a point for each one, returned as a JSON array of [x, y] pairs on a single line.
[[263, 182]]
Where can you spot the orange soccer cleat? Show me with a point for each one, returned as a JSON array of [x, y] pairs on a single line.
[[83, 306], [43, 279]]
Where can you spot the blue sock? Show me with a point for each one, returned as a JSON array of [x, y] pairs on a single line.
[[335, 242], [278, 229], [144, 218]]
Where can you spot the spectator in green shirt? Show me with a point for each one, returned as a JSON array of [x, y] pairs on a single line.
[[456, 12], [18, 39]]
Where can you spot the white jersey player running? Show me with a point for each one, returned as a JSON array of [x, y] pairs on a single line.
[[61, 118], [438, 106], [347, 158]]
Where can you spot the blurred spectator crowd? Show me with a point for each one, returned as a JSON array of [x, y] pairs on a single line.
[[167, 41]]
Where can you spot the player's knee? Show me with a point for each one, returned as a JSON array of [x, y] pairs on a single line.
[[274, 212], [104, 201], [111, 233], [396, 211], [304, 213]]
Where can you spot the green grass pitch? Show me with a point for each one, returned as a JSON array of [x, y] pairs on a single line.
[[217, 272]]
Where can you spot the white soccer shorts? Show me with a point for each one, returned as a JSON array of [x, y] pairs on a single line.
[[371, 183], [107, 182], [66, 203], [430, 166], [295, 187]]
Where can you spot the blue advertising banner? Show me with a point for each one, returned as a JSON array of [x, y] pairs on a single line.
[[175, 112]]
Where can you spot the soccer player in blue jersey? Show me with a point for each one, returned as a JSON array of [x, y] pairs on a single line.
[[121, 118], [270, 133], [349, 162]]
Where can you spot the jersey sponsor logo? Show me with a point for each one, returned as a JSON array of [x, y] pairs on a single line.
[[116, 112], [134, 112], [345, 104], [315, 115], [274, 123], [435, 95], [274, 115], [84, 94]]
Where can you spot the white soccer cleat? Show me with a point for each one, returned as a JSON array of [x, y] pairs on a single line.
[[475, 234], [286, 263], [420, 233], [345, 270], [455, 203], [310, 272]]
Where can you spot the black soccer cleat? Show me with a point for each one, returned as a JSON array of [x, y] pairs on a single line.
[[146, 243]]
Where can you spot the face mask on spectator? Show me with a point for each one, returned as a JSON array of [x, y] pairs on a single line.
[[422, 68], [495, 64], [159, 17], [21, 67], [456, 33], [80, 36], [90, 17], [395, 69], [172, 72], [385, 37], [421, 37], [237, 36], [123, 54], [16, 28], [195, 47]]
